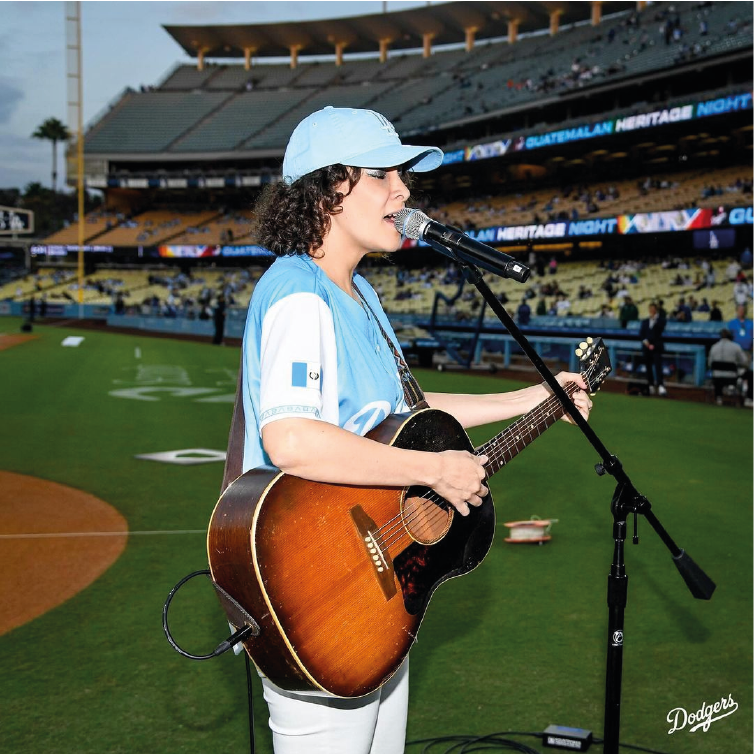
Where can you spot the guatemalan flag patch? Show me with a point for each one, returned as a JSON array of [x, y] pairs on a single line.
[[306, 374]]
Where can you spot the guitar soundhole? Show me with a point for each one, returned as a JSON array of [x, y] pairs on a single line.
[[426, 520]]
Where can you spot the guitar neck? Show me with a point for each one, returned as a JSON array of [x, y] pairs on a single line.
[[517, 436]]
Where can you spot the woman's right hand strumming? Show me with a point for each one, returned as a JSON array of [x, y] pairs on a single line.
[[460, 479]]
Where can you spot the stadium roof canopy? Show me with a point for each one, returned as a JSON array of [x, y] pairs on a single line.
[[441, 24]]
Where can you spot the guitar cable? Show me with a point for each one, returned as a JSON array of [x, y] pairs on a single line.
[[250, 629], [250, 695]]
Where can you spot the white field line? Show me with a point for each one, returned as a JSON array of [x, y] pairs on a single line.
[[137, 352]]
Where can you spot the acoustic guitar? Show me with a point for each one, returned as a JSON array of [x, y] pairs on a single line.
[[339, 577]]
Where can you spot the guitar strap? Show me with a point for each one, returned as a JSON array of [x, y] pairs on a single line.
[[234, 459], [411, 390]]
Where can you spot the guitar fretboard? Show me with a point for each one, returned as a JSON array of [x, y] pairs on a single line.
[[517, 436]]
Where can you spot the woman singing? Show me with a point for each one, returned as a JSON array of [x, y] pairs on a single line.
[[320, 364]]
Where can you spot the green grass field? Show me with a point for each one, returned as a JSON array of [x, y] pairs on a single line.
[[517, 645]]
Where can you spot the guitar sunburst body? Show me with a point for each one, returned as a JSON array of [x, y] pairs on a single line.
[[339, 577]]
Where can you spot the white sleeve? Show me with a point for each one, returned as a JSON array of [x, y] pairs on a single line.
[[298, 361]]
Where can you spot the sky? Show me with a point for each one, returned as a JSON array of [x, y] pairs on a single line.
[[123, 44]]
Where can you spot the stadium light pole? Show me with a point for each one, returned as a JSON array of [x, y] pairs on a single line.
[[75, 113]]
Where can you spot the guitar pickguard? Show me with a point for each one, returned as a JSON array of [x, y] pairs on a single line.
[[421, 568]]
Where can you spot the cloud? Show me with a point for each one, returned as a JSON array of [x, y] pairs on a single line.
[[10, 98]]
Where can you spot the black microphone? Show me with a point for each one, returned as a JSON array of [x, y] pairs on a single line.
[[415, 224]]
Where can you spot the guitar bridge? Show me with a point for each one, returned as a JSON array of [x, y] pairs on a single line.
[[381, 562]]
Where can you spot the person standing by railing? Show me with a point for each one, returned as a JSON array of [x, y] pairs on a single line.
[[652, 347], [742, 329]]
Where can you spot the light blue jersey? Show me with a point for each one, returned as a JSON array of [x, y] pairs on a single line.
[[311, 351]]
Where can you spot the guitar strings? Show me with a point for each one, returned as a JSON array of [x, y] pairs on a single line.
[[394, 529], [499, 450], [547, 409]]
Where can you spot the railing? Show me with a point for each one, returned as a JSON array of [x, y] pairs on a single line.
[[682, 362]]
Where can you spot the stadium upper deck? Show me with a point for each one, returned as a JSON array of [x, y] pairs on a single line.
[[230, 112]]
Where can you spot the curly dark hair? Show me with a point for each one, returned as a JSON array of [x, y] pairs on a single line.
[[295, 218]]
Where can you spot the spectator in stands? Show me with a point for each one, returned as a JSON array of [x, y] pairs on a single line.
[[726, 352], [524, 313], [732, 270], [321, 366], [628, 312], [120, 304], [218, 318], [682, 312], [562, 305], [743, 334], [742, 292], [622, 293], [653, 346]]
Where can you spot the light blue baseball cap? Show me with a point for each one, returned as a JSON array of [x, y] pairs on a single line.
[[347, 136]]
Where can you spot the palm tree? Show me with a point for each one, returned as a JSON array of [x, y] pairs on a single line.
[[53, 130]]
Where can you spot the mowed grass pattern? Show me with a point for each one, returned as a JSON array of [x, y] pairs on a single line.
[[517, 645]]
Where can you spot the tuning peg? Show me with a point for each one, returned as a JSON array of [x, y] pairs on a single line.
[[590, 341], [583, 345], [579, 352]]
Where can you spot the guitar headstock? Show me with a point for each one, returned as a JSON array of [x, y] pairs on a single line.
[[595, 362]]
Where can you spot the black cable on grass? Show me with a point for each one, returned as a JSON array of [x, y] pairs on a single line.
[[492, 742], [462, 744]]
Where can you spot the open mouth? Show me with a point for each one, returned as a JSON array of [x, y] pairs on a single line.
[[391, 218]]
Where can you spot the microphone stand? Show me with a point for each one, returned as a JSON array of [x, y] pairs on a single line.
[[625, 500]]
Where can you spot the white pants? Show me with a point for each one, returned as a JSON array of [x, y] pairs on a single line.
[[315, 724]]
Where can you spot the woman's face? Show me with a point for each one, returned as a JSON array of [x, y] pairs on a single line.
[[366, 223]]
